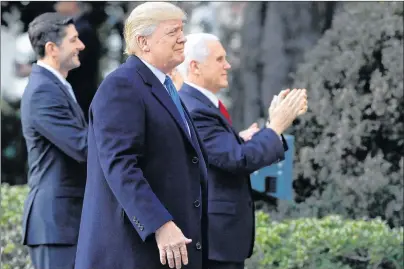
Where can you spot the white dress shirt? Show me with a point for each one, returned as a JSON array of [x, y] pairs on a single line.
[[210, 95], [59, 76], [160, 75]]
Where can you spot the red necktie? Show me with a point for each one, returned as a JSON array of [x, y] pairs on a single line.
[[224, 111]]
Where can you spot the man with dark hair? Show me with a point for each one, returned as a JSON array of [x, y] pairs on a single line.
[[84, 79], [55, 132]]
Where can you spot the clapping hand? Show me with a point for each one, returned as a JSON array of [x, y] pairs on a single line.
[[247, 134], [282, 113], [282, 95]]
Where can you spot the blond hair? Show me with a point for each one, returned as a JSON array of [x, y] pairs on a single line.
[[143, 20]]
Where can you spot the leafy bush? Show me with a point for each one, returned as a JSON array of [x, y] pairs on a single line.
[[13, 254], [13, 150], [350, 143], [328, 243]]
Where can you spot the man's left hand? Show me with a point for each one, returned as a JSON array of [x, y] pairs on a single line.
[[279, 98]]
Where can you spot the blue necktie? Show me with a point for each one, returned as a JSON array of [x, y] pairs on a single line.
[[176, 98], [70, 90]]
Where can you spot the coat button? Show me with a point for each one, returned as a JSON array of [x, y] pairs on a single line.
[[141, 228], [198, 246], [197, 203], [195, 160]]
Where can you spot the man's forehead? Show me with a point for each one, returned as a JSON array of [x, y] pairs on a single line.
[[171, 24], [71, 30], [216, 47]]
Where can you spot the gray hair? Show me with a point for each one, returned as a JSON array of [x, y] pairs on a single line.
[[196, 49], [144, 19]]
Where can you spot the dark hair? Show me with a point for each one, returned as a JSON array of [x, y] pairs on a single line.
[[47, 27]]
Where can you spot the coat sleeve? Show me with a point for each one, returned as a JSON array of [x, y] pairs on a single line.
[[118, 120], [226, 153], [53, 118]]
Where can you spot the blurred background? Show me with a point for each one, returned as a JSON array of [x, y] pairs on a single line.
[[348, 162]]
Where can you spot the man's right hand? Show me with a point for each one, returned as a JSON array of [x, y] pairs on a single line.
[[247, 134], [286, 112], [172, 245]]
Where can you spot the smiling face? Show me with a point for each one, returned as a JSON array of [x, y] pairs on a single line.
[[66, 54], [213, 70], [165, 47]]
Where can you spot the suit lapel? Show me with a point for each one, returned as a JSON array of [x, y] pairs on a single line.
[[192, 128], [161, 94], [201, 97], [73, 103], [164, 98]]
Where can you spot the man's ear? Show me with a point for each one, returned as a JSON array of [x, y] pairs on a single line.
[[194, 67], [142, 43], [50, 48]]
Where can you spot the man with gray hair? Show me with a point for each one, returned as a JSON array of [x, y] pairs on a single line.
[[145, 195], [232, 157]]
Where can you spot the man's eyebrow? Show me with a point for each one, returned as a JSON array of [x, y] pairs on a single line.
[[173, 28]]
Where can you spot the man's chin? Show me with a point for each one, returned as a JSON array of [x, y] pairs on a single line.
[[224, 85], [179, 59], [76, 65]]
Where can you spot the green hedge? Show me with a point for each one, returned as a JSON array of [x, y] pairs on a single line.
[[329, 243], [13, 254]]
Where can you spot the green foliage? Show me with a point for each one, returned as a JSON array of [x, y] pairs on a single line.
[[13, 254], [13, 150], [303, 243], [350, 143], [331, 242]]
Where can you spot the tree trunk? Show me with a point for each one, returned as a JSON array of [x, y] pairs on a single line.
[[275, 36]]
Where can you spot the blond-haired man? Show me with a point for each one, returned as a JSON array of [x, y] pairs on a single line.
[[144, 199]]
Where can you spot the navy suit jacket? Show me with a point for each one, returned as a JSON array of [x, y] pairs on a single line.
[[55, 132], [143, 170], [231, 161]]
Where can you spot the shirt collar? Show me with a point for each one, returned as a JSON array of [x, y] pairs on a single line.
[[54, 72], [160, 75], [210, 95]]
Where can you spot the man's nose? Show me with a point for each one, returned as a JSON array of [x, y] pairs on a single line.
[[182, 38], [81, 45], [227, 65]]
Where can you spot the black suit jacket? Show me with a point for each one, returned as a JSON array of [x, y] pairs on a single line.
[[55, 132]]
